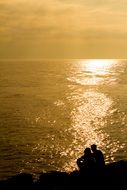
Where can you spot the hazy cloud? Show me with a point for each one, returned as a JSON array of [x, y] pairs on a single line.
[[32, 23]]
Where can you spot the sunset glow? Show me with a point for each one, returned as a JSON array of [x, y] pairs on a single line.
[[63, 29], [99, 65]]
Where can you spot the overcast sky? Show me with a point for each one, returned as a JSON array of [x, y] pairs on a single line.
[[63, 29]]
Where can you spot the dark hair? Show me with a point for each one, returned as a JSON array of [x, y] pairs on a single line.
[[93, 146], [87, 151]]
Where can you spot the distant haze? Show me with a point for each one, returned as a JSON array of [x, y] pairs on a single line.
[[63, 29]]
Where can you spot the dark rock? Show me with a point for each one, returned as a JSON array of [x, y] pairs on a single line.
[[113, 175]]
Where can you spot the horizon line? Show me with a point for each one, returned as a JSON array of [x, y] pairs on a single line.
[[40, 59]]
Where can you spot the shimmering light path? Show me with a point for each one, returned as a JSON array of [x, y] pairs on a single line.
[[93, 108]]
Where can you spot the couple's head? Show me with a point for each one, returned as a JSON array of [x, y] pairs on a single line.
[[93, 147], [88, 150]]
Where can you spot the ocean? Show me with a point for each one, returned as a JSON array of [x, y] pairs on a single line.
[[51, 110]]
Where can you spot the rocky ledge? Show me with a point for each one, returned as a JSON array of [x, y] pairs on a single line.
[[114, 176]]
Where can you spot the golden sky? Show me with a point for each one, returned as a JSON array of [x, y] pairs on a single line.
[[63, 29]]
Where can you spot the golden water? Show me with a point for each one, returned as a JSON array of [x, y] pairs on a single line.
[[51, 110]]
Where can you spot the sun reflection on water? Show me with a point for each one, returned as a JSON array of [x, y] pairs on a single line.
[[99, 66], [95, 72], [88, 122], [92, 108]]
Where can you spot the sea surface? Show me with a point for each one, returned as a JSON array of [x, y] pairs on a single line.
[[51, 110]]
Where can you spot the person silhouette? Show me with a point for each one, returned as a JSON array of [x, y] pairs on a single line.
[[98, 156], [86, 162]]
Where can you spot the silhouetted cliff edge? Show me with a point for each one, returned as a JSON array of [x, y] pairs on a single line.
[[114, 176]]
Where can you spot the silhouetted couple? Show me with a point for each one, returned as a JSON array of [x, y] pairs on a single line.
[[93, 159]]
